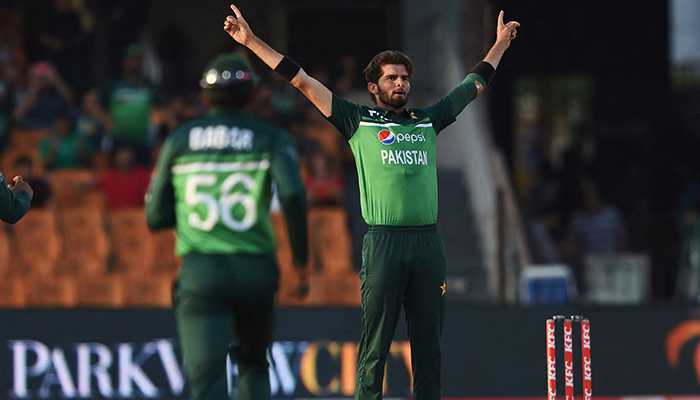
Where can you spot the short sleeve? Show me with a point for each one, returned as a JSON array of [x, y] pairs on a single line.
[[345, 116]]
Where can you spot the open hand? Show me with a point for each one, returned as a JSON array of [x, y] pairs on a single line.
[[506, 32], [237, 27]]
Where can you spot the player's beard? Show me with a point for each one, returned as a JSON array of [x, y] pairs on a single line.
[[385, 98]]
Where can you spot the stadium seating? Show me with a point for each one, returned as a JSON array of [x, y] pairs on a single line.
[[132, 242], [288, 293], [86, 257], [5, 255], [49, 291], [8, 159], [85, 244], [148, 291], [331, 249], [333, 281], [165, 261], [73, 188], [35, 244], [24, 139], [12, 292], [100, 291]]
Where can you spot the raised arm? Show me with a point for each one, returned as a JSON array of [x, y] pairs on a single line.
[[472, 86], [505, 33], [315, 91]]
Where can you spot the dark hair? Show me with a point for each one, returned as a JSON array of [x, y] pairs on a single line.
[[232, 96], [375, 69]]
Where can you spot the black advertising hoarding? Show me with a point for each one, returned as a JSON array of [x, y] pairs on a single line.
[[487, 352]]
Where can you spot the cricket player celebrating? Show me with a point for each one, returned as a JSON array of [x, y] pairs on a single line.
[[403, 254], [212, 182]]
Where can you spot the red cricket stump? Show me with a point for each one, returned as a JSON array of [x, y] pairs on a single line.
[[551, 360], [586, 359], [567, 324], [568, 359]]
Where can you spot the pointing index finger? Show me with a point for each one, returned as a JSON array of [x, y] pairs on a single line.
[[500, 18], [236, 11]]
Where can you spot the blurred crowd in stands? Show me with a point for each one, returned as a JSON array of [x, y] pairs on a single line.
[[574, 216], [75, 138], [116, 128]]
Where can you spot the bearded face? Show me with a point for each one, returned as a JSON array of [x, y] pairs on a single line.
[[394, 98], [393, 87]]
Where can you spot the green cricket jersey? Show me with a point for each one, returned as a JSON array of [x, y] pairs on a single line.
[[213, 182], [395, 154], [130, 107], [12, 206]]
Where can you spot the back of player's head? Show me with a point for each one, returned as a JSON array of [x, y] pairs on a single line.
[[228, 80], [374, 70]]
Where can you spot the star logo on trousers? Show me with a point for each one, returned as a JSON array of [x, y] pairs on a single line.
[[443, 287]]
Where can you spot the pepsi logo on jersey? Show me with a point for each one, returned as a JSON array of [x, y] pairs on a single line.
[[386, 137]]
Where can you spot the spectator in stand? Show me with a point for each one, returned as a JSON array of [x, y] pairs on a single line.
[[46, 95], [125, 184], [64, 148], [541, 218], [598, 227], [93, 122], [323, 187], [129, 101], [595, 229], [24, 166]]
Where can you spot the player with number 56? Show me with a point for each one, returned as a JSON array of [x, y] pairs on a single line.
[[213, 183]]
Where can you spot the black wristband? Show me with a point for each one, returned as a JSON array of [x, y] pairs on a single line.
[[287, 68], [484, 70]]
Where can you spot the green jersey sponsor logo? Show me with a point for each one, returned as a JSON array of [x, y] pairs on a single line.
[[388, 137], [413, 137]]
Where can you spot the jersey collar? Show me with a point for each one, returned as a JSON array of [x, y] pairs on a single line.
[[404, 114]]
